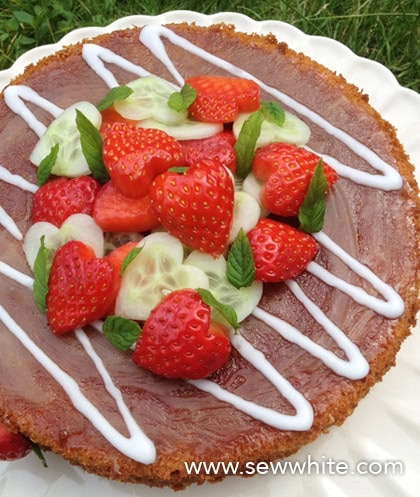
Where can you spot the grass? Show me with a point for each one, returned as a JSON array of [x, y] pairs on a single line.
[[381, 30]]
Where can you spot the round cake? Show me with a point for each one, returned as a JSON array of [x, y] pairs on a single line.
[[304, 357]]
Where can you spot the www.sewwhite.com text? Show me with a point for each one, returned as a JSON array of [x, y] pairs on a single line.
[[308, 466]]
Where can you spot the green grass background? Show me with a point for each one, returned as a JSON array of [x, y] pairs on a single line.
[[387, 31]]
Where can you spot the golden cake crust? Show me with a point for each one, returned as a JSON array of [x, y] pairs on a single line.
[[260, 442]]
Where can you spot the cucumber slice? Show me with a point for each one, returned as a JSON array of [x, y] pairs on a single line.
[[76, 227], [63, 130], [157, 270], [243, 300], [294, 130], [246, 213], [187, 130], [253, 187], [150, 99]]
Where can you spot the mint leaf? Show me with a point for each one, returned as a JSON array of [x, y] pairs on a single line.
[[115, 94], [41, 273], [245, 144], [312, 211], [227, 311], [36, 449], [46, 165], [180, 101], [273, 112], [121, 332], [129, 257], [91, 142], [240, 269]]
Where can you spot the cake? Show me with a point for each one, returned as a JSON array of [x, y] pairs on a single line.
[[371, 216]]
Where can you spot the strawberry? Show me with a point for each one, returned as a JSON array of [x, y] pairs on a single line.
[[218, 148], [220, 99], [178, 339], [286, 171], [116, 258], [12, 445], [59, 198], [111, 116], [280, 251], [133, 157], [115, 212], [80, 287], [196, 207]]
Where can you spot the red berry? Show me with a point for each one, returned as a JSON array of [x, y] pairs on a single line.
[[220, 99], [196, 207], [178, 339], [59, 198], [114, 212], [12, 445], [81, 287], [133, 157], [216, 148], [280, 251], [286, 171]]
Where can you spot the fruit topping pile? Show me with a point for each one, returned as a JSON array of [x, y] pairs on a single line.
[[161, 211]]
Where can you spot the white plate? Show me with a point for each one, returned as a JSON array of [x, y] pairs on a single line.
[[384, 432]]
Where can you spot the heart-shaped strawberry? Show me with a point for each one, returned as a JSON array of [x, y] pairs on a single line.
[[286, 171], [196, 206], [134, 156], [81, 287]]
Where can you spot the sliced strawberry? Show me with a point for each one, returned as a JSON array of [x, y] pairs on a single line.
[[12, 445], [115, 212], [217, 148], [280, 251], [80, 288], [220, 99], [179, 341], [109, 117], [196, 207], [59, 198], [133, 157], [116, 258], [286, 171]]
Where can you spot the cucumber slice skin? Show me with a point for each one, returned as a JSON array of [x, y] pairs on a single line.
[[63, 131], [293, 131], [243, 300]]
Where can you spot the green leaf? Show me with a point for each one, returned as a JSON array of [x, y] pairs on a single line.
[[41, 273], [36, 449], [180, 101], [227, 311], [46, 165], [115, 94], [121, 332], [240, 269], [91, 142], [129, 257], [312, 211], [273, 112], [245, 144]]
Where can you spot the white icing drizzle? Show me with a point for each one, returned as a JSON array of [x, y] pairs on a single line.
[[14, 96], [151, 35], [7, 222], [15, 275], [94, 55], [392, 307], [17, 180], [138, 447], [300, 421]]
